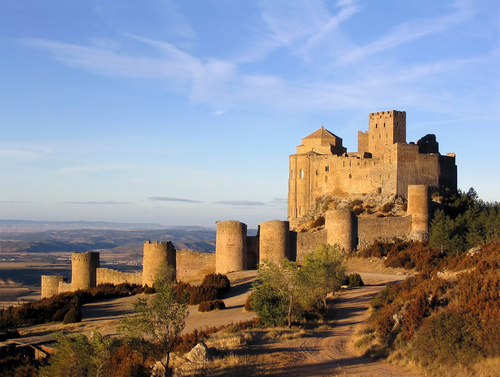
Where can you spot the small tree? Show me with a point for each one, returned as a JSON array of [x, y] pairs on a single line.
[[322, 272], [80, 356], [277, 295], [158, 321]]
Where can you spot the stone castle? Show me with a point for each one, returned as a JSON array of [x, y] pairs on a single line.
[[385, 165]]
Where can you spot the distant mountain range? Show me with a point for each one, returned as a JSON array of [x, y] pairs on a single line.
[[78, 236], [32, 225]]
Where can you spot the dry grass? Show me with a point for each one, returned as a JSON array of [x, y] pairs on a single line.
[[232, 352]]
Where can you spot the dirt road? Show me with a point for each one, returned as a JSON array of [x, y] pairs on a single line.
[[331, 352]]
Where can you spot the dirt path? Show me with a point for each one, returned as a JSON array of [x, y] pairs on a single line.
[[331, 352]]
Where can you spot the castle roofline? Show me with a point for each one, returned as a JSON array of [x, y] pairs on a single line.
[[322, 133]]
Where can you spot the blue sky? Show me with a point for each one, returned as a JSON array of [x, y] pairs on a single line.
[[185, 112]]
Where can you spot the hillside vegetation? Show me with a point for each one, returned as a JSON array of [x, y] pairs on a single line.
[[446, 319]]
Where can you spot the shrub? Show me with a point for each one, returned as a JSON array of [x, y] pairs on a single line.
[[74, 315], [203, 293], [387, 207], [354, 280], [449, 337], [248, 303], [221, 282], [358, 210], [149, 290], [356, 202], [271, 306], [208, 306]]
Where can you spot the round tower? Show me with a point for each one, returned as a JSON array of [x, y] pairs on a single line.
[[274, 241], [418, 208], [157, 255], [230, 246], [342, 229], [83, 270], [50, 285]]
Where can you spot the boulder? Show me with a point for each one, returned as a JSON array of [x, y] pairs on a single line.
[[199, 353]]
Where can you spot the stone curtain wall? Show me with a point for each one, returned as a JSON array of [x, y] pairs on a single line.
[[192, 266], [108, 275], [308, 242], [382, 228]]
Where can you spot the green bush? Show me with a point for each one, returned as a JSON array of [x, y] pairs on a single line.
[[449, 337], [271, 306], [248, 303]]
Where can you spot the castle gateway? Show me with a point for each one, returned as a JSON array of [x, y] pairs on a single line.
[[384, 163]]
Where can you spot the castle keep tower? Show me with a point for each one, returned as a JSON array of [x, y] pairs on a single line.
[[156, 257], [385, 128], [342, 229], [274, 241], [230, 246], [83, 267]]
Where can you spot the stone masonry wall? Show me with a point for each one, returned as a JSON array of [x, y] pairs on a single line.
[[307, 242], [192, 266], [382, 228], [108, 275]]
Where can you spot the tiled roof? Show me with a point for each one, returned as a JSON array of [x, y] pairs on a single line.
[[322, 133]]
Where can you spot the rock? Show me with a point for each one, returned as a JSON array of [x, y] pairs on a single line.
[[199, 353], [474, 251]]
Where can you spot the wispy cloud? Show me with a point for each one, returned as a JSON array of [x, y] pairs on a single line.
[[92, 169], [408, 32], [279, 201], [309, 29], [240, 203], [27, 154], [109, 202], [170, 199]]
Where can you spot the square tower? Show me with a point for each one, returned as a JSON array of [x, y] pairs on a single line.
[[385, 128]]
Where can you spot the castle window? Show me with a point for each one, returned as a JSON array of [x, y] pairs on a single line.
[[343, 163], [384, 125], [317, 172], [327, 168], [301, 173], [376, 125], [350, 175]]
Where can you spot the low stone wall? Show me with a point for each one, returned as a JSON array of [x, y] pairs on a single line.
[[64, 287], [308, 242], [382, 229], [193, 266], [108, 275]]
